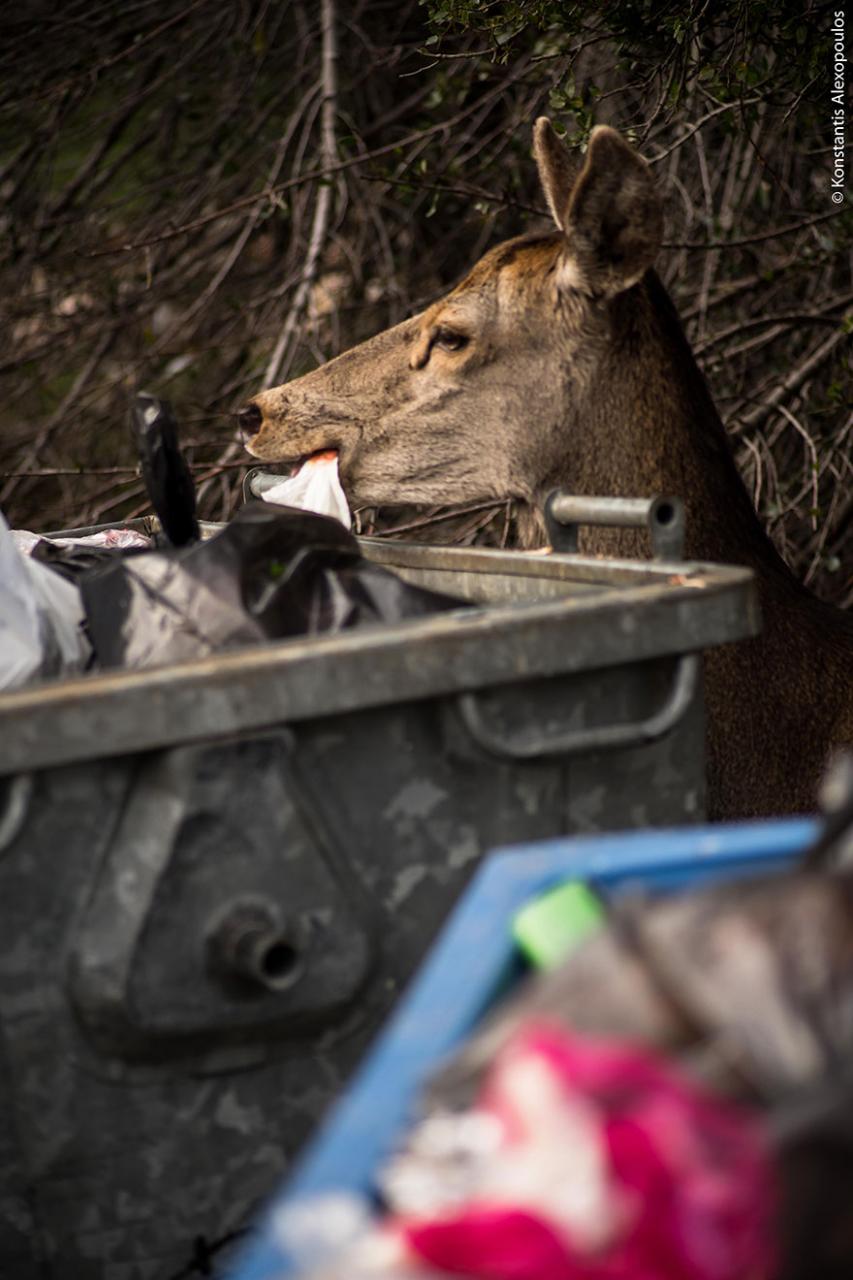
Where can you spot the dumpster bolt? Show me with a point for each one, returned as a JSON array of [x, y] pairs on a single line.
[[250, 942]]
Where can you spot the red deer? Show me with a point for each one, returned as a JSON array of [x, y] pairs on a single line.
[[560, 361]]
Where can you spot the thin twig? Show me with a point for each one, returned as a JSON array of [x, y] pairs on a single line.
[[794, 379], [810, 445], [231, 259], [783, 318], [694, 128], [268, 193], [450, 514], [46, 472], [322, 209], [776, 234], [59, 414]]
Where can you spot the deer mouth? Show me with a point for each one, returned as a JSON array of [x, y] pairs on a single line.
[[291, 469]]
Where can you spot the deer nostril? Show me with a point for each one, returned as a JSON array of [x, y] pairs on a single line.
[[250, 419]]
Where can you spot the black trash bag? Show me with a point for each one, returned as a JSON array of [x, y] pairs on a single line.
[[273, 572], [164, 469]]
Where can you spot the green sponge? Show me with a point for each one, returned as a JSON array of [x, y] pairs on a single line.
[[550, 926]]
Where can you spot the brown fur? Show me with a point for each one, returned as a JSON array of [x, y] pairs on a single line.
[[560, 360]]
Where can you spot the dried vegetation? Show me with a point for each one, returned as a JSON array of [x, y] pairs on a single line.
[[203, 199]]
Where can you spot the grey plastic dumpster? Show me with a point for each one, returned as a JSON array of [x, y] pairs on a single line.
[[214, 877]]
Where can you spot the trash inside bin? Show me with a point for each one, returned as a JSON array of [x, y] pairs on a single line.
[[269, 574], [343, 1166], [41, 619], [167, 476], [272, 572], [217, 874], [583, 1156], [752, 981]]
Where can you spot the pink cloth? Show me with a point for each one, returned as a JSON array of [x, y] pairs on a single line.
[[688, 1175]]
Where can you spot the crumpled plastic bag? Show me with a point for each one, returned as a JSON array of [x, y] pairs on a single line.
[[41, 619], [271, 573], [597, 1160], [72, 558], [106, 539], [316, 486]]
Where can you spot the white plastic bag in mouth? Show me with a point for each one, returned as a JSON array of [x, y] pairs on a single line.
[[315, 487]]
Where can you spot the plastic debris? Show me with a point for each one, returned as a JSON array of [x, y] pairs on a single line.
[[270, 573], [548, 928], [607, 1162], [41, 619], [273, 572], [316, 486], [164, 469], [73, 559], [554, 1148], [336, 1237], [751, 981], [581, 1159], [111, 539]]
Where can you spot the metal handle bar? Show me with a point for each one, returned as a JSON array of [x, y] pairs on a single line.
[[257, 481], [575, 741], [663, 517]]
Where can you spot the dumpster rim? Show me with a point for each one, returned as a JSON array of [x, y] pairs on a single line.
[[305, 678]]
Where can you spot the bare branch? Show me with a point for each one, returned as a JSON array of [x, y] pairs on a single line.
[[782, 319], [795, 379], [439, 517], [322, 209], [776, 234]]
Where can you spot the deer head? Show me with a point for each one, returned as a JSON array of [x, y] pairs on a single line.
[[559, 360], [480, 396]]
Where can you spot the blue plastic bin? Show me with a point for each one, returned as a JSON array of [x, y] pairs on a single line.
[[470, 966]]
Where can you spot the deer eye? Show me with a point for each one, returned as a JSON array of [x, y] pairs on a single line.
[[450, 339]]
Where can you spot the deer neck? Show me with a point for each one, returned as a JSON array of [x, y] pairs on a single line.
[[654, 429]]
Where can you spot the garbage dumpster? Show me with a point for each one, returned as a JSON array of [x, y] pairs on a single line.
[[439, 1012], [215, 876]]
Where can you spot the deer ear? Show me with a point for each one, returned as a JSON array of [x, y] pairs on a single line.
[[614, 220], [557, 169]]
